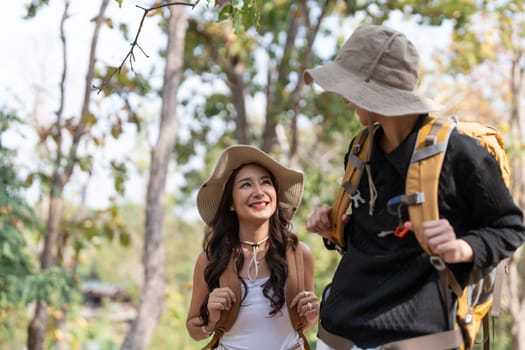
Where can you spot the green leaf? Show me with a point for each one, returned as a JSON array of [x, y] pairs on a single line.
[[226, 12]]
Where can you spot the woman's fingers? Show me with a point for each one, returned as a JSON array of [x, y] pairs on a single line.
[[306, 302], [221, 299]]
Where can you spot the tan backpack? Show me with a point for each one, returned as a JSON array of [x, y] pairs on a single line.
[[421, 197], [294, 285]]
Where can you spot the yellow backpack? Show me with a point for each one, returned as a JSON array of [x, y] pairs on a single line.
[[483, 289]]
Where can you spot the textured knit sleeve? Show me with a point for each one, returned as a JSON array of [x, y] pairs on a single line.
[[476, 201]]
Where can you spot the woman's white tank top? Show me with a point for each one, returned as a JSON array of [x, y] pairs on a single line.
[[254, 329]]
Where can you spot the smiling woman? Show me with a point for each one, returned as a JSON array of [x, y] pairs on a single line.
[[244, 288], [254, 196]]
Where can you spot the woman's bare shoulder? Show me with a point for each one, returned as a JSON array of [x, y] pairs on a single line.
[[202, 261]]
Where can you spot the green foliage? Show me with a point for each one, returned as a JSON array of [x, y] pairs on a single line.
[[488, 36], [243, 14], [436, 12], [20, 283], [15, 216], [34, 6], [120, 175], [122, 81]]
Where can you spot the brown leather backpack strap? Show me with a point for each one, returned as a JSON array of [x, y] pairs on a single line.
[[228, 279], [294, 285]]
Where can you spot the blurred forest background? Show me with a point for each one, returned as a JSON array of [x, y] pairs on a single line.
[[98, 228]]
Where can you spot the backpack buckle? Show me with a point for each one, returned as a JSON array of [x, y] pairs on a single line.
[[354, 194], [430, 140], [393, 205]]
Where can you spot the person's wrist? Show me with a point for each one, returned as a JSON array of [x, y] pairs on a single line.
[[467, 253]]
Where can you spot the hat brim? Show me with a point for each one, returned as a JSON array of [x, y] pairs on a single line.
[[369, 95], [290, 182]]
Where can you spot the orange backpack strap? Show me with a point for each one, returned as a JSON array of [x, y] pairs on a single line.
[[294, 285], [228, 279], [348, 191]]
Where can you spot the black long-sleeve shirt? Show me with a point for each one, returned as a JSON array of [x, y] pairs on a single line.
[[385, 289]]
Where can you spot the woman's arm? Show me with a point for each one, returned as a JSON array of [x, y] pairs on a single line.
[[196, 328]]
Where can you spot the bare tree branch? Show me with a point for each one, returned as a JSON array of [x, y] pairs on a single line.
[[135, 44]]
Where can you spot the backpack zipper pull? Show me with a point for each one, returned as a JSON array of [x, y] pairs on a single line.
[[400, 230]]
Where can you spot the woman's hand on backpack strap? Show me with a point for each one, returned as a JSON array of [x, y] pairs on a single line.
[[441, 239], [219, 299], [307, 304]]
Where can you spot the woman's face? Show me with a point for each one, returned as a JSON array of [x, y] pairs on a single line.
[[254, 195]]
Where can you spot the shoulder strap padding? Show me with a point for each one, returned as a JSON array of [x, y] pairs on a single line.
[[423, 172]]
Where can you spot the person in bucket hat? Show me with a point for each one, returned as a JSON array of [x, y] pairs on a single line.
[[385, 290], [247, 204]]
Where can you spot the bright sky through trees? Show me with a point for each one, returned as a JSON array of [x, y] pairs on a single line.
[[33, 63]]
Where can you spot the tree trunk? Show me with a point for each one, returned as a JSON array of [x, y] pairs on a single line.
[[61, 176], [37, 327], [235, 76], [140, 333]]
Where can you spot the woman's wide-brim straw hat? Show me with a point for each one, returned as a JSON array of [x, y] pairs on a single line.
[[289, 181], [376, 70]]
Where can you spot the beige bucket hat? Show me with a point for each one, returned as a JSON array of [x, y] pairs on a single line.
[[377, 70], [290, 182]]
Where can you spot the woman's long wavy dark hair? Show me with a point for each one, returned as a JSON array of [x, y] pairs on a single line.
[[222, 235]]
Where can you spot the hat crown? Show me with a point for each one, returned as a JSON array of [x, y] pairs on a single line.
[[382, 55]]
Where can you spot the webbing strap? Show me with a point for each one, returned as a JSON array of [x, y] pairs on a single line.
[[351, 178], [486, 333], [334, 341], [428, 151], [501, 271], [437, 341], [356, 161]]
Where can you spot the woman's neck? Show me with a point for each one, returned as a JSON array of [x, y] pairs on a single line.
[[253, 233]]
